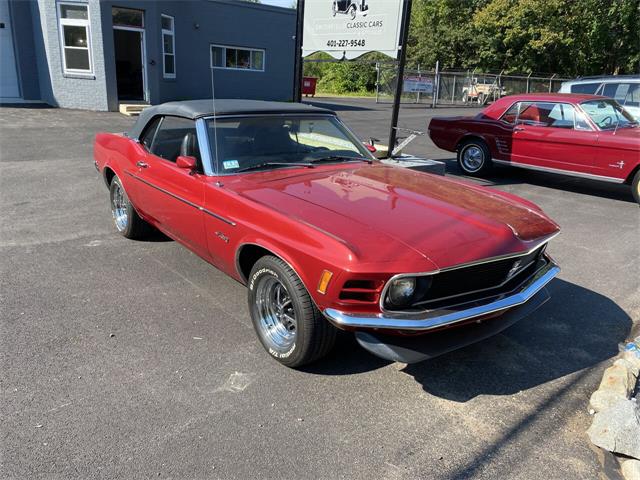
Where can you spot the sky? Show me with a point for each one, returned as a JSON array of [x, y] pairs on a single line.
[[278, 3]]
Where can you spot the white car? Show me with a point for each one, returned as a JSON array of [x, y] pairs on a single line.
[[625, 89]]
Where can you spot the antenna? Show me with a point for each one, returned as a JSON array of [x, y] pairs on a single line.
[[215, 124]]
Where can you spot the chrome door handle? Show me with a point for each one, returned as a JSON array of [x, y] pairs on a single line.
[[518, 129], [141, 164]]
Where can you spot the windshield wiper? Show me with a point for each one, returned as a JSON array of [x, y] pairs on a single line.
[[340, 158], [275, 164]]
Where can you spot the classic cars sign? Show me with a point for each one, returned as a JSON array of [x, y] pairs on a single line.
[[350, 28]]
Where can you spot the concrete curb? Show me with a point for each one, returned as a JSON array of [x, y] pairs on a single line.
[[616, 422]]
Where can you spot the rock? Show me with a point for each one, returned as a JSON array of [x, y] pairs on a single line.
[[631, 469], [617, 428], [604, 399], [631, 367], [617, 378], [633, 358]]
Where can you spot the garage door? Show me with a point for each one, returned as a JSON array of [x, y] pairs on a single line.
[[8, 75]]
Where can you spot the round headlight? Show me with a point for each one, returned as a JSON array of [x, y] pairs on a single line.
[[401, 290]]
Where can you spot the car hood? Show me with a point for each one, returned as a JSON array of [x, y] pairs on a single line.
[[381, 212]]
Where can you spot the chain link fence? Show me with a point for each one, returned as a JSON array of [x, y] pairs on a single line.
[[468, 87]]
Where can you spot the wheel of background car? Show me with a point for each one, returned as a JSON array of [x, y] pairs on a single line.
[[474, 157], [352, 12], [289, 325], [125, 217], [481, 99], [635, 187]]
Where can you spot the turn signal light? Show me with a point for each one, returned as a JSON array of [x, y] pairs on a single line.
[[325, 278]]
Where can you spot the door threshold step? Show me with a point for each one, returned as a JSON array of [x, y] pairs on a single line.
[[132, 109]]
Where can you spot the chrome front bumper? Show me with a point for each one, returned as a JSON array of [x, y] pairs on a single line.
[[426, 321]]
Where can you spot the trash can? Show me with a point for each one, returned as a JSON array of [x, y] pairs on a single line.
[[309, 86]]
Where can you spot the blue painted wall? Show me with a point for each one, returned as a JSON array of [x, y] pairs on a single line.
[[198, 24]]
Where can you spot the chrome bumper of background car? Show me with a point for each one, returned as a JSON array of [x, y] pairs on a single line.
[[430, 320]]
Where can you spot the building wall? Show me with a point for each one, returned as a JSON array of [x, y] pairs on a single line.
[[199, 23], [57, 88], [26, 61]]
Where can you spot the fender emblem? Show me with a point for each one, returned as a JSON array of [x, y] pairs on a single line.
[[223, 237], [619, 164]]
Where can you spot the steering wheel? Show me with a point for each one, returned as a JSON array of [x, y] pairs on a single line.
[[606, 121]]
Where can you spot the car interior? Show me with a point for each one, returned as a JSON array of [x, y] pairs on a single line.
[[173, 137]]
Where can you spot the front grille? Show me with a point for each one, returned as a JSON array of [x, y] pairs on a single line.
[[466, 284]]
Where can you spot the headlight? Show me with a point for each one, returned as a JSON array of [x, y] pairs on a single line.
[[401, 291]]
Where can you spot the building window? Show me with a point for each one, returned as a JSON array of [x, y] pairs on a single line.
[[168, 47], [237, 58], [127, 17], [75, 38]]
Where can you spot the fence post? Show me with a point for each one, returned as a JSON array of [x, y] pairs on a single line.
[[528, 82], [453, 90], [418, 93], [436, 85], [551, 82], [377, 82]]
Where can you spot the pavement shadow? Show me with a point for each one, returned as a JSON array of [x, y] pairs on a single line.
[[516, 176], [575, 330]]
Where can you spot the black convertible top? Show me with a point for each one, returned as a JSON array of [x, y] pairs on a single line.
[[204, 108]]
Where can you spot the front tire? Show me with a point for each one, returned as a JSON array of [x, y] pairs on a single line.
[[288, 324], [125, 217], [474, 157], [635, 187], [352, 12]]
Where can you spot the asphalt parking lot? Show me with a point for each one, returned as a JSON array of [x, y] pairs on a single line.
[[124, 359]]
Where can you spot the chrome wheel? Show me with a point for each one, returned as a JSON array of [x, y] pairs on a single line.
[[472, 158], [120, 207], [277, 323]]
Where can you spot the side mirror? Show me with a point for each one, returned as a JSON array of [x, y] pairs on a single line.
[[188, 163], [370, 147]]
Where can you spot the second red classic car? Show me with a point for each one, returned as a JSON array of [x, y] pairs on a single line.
[[581, 135], [283, 198]]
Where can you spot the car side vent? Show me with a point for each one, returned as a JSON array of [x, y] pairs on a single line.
[[361, 291]]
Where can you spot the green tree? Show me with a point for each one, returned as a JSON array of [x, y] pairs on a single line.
[[441, 30]]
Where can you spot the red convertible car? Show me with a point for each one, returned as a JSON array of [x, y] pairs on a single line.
[[581, 135], [285, 199]]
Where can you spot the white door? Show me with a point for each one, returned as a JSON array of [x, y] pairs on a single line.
[[8, 74]]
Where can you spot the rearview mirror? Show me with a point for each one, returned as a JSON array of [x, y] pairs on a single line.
[[185, 162]]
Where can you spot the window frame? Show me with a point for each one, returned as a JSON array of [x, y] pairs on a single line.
[[154, 124], [251, 50], [576, 108], [171, 32], [74, 22], [159, 127]]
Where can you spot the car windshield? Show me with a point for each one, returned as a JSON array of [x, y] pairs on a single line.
[[608, 114], [280, 141]]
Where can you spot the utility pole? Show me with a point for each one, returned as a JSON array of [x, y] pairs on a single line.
[[403, 59]]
